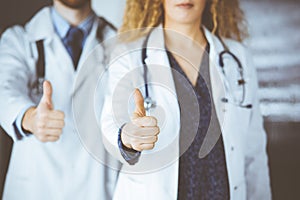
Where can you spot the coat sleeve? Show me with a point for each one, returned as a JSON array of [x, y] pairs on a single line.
[[256, 159], [14, 75], [114, 113]]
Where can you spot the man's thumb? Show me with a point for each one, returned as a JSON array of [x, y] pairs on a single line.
[[139, 104], [47, 94]]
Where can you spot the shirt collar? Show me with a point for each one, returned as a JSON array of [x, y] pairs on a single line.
[[62, 27]]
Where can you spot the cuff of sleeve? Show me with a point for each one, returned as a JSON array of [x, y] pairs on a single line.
[[20, 133], [130, 155]]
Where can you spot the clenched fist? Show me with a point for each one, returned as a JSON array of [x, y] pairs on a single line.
[[141, 133], [43, 121]]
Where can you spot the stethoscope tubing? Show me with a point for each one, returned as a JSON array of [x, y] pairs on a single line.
[[149, 103]]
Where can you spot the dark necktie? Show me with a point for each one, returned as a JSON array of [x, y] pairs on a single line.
[[73, 43]]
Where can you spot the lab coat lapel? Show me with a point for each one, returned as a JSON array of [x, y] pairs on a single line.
[[156, 55], [160, 73], [61, 56], [41, 28], [90, 63], [90, 45], [216, 76]]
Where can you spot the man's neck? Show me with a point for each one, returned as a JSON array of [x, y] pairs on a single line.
[[73, 16]]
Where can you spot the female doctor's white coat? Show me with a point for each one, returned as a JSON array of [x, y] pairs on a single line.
[[155, 176], [63, 169]]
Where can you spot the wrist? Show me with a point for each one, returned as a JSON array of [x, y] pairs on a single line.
[[27, 120], [130, 155]]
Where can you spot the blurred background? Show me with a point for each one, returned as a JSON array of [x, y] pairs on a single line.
[[275, 44]]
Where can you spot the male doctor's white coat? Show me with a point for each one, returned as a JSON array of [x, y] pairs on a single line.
[[155, 175], [63, 169]]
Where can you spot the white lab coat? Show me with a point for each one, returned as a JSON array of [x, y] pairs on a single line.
[[155, 176], [59, 170]]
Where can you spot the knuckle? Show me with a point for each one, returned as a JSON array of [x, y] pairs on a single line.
[[61, 115], [55, 139], [59, 132], [154, 120], [134, 133], [60, 125], [127, 129], [135, 123], [153, 131], [136, 147], [42, 138], [134, 140], [152, 146], [157, 130], [39, 132], [125, 136], [43, 116], [41, 124]]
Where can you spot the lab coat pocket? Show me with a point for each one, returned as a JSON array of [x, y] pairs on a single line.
[[22, 163], [17, 188], [243, 117], [237, 122]]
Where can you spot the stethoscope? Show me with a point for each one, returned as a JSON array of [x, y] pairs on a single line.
[[149, 103]]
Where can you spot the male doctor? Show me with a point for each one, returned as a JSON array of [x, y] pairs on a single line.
[[48, 160]]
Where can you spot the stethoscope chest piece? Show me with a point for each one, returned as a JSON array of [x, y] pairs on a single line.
[[149, 103]]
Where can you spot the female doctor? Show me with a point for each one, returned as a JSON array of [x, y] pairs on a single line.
[[192, 129]]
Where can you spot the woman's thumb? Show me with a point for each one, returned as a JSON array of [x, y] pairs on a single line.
[[139, 104]]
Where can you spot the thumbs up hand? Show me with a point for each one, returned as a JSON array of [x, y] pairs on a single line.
[[43, 121], [141, 133]]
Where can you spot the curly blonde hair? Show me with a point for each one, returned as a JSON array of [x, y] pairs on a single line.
[[222, 17]]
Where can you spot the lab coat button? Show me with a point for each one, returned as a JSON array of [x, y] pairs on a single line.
[[235, 187], [232, 148]]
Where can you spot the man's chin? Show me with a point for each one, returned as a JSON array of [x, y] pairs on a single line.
[[75, 4]]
